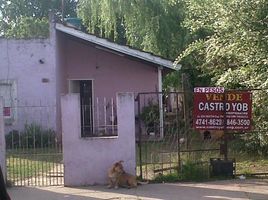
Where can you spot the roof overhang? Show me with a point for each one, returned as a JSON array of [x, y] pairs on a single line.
[[148, 57]]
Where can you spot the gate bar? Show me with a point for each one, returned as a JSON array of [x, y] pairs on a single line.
[[140, 154]]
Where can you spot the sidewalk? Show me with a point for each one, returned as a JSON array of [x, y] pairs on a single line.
[[219, 190]]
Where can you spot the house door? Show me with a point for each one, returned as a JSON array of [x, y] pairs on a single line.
[[86, 107]]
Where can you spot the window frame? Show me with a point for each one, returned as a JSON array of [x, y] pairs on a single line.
[[70, 81]]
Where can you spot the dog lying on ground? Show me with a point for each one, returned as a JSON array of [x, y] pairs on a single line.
[[118, 177]]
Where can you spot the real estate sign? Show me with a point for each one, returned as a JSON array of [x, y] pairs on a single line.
[[217, 109]]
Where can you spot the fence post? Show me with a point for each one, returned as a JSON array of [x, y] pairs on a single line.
[[126, 129], [2, 140]]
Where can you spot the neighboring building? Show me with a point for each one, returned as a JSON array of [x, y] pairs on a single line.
[[28, 82], [35, 73]]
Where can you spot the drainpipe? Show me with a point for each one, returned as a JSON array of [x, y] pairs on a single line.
[[2, 141], [161, 115]]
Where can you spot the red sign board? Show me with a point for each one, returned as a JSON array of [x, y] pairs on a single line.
[[219, 110]]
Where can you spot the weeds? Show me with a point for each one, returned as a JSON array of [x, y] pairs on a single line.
[[32, 136], [190, 171], [169, 178]]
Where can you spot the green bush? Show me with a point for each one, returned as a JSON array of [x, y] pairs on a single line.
[[150, 117], [32, 136], [169, 178], [251, 143], [194, 171], [190, 172], [150, 113]]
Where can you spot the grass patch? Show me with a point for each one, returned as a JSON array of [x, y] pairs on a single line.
[[169, 178], [19, 168], [24, 165], [251, 164], [190, 172], [195, 165]]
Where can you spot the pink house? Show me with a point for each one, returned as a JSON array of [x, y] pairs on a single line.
[[97, 69], [35, 73], [97, 81], [84, 87]]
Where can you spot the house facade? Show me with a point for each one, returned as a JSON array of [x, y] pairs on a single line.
[[98, 69], [35, 73], [84, 88]]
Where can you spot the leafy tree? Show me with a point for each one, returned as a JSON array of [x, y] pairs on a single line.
[[235, 40], [28, 27], [232, 50], [29, 18], [151, 25]]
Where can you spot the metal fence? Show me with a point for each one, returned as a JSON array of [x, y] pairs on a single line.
[[98, 117], [33, 151], [167, 145]]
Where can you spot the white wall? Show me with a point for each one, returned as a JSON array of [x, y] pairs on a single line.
[[86, 160], [31, 64]]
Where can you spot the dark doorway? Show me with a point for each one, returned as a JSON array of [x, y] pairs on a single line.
[[86, 107]]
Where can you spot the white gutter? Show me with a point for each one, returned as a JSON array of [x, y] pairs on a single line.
[[118, 48]]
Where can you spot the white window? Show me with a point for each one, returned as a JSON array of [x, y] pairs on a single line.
[[98, 117], [8, 91]]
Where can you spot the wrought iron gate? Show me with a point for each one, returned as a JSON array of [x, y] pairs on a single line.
[[33, 151], [34, 159], [166, 142]]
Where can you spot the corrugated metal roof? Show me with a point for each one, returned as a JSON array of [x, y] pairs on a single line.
[[126, 50]]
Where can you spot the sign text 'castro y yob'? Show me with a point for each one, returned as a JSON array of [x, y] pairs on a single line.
[[216, 109]]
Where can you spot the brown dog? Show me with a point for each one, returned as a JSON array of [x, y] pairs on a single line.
[[114, 173], [127, 180], [118, 177]]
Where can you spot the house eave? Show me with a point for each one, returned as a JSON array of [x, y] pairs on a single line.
[[148, 57]]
